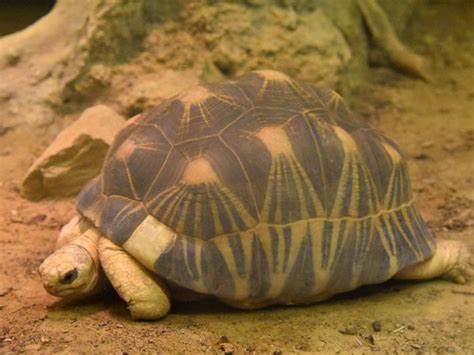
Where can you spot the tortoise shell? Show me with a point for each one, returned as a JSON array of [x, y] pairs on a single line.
[[260, 190]]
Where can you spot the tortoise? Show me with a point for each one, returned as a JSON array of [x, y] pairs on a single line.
[[256, 191]]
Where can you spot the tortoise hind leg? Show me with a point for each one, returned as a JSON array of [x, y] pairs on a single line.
[[147, 297], [451, 260]]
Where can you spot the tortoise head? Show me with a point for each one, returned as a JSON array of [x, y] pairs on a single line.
[[69, 272]]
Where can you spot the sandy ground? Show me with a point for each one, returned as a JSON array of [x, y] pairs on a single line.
[[433, 122]]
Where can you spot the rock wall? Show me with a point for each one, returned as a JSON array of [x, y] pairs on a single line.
[[85, 52]]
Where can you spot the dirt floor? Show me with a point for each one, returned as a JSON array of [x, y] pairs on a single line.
[[433, 122]]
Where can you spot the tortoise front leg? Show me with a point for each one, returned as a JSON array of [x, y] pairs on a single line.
[[451, 260], [146, 295]]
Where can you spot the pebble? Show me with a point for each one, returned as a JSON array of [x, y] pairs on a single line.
[[5, 291], [349, 331], [370, 339], [15, 217], [377, 326], [422, 156]]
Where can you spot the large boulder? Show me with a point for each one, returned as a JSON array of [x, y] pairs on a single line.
[[74, 157]]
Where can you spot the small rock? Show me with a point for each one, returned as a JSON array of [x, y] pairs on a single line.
[[428, 144], [15, 217], [377, 326], [410, 327], [415, 346], [450, 349], [370, 339], [422, 156], [45, 340], [36, 219], [75, 156], [349, 331], [5, 291]]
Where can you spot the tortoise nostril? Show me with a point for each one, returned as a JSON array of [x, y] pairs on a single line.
[[69, 276]]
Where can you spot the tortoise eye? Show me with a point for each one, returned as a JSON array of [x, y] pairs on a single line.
[[69, 277]]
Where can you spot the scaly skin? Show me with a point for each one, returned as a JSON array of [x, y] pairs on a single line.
[[146, 295], [451, 261]]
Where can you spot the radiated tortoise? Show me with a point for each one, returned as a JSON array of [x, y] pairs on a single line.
[[258, 191]]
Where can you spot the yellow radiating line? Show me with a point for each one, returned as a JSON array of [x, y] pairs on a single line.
[[254, 198], [372, 202], [164, 195], [408, 223], [336, 242], [198, 245], [184, 120], [171, 210], [405, 237], [197, 215], [339, 199], [204, 113], [262, 88], [130, 181], [239, 206], [227, 100], [297, 237], [357, 264], [124, 209], [333, 244], [389, 191], [279, 190], [355, 190], [335, 99], [299, 189], [246, 215], [391, 234], [391, 256], [184, 212], [321, 164], [268, 193], [157, 175], [215, 213]]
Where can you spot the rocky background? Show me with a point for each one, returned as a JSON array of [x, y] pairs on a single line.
[[133, 54]]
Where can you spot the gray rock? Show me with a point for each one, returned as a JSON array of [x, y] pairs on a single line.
[[74, 157]]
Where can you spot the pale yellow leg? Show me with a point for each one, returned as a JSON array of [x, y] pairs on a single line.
[[146, 295], [451, 260]]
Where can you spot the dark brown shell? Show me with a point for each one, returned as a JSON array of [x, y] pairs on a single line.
[[221, 160]]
